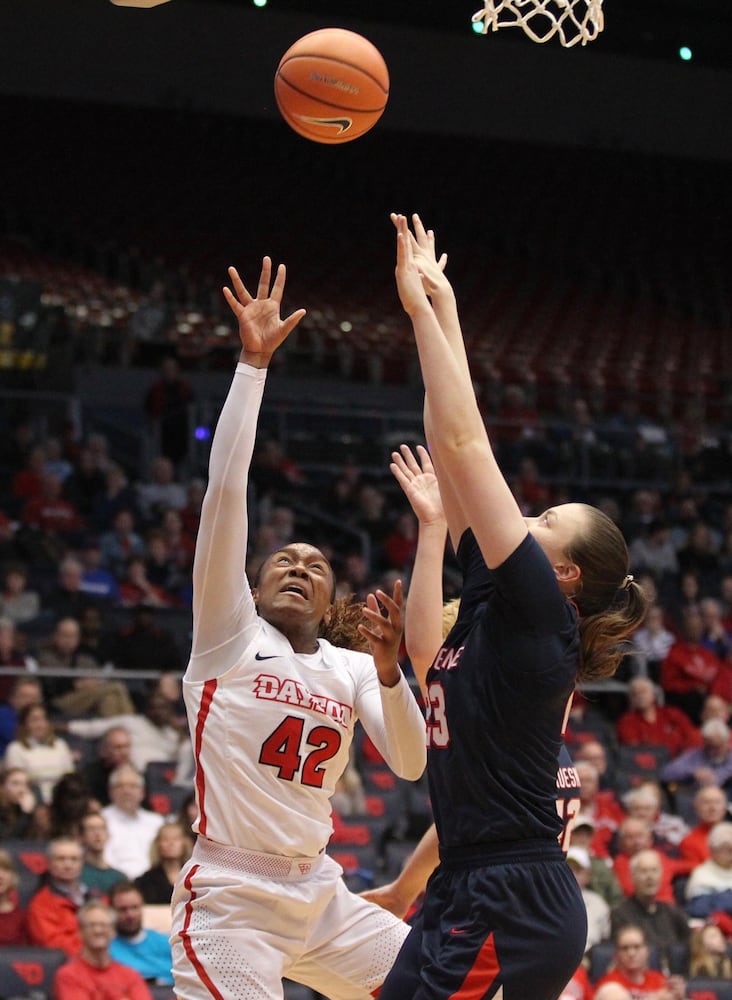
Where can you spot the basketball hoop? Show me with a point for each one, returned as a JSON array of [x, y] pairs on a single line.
[[572, 20]]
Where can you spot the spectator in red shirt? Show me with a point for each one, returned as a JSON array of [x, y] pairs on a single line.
[[710, 806], [52, 910], [601, 807], [659, 725], [50, 512], [635, 835], [13, 923], [690, 668], [94, 974], [631, 970]]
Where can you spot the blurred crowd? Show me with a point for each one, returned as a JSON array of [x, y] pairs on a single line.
[[95, 595]]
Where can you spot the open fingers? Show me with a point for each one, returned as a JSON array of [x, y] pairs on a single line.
[[241, 293], [264, 278]]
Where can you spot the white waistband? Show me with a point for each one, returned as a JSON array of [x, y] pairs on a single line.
[[271, 866]]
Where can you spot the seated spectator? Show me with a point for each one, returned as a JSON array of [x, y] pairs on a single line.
[[89, 694], [579, 987], [716, 707], [94, 974], [69, 599], [85, 483], [25, 691], [120, 543], [180, 544], [631, 969], [709, 764], [117, 496], [598, 911], [155, 733], [70, 802], [97, 582], [52, 909], [170, 850], [96, 874], [689, 669], [709, 888], [596, 752], [709, 954], [653, 640], [647, 722], [636, 835], [613, 991], [43, 755], [145, 645], [160, 492], [653, 551], [602, 807], [646, 802], [715, 636], [138, 947], [114, 750], [17, 602], [161, 569], [665, 924], [11, 655], [54, 517], [132, 829], [18, 805], [13, 920], [710, 807], [136, 590], [589, 723], [602, 877]]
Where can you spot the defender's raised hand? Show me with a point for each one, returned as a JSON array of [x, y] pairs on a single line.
[[261, 330]]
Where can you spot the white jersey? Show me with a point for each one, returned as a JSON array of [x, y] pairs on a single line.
[[271, 728]]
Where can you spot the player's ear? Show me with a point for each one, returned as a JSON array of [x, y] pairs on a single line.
[[567, 573]]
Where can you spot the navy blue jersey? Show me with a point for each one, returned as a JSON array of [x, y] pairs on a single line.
[[498, 693]]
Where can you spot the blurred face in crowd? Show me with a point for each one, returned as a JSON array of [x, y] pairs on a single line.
[[94, 833], [96, 924], [65, 861], [116, 747], [711, 804], [128, 908], [631, 951], [647, 873], [126, 789], [66, 635], [642, 694], [634, 835]]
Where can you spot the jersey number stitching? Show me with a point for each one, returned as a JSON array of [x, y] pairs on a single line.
[[438, 734], [282, 749]]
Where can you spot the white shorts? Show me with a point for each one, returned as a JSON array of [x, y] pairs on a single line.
[[243, 920]]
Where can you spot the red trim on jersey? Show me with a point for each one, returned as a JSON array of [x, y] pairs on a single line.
[[208, 692], [483, 973], [188, 945]]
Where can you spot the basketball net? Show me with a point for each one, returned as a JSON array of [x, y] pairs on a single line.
[[572, 20]]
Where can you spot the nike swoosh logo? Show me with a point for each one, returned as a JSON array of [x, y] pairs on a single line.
[[342, 124], [258, 656]]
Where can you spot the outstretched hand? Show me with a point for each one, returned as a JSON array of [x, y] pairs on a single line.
[[384, 631], [431, 268], [416, 476], [261, 330]]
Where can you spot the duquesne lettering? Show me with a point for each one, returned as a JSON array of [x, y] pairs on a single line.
[[447, 659]]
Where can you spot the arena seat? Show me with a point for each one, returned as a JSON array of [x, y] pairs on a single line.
[[29, 972]]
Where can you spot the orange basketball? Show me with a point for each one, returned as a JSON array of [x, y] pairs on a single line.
[[332, 85]]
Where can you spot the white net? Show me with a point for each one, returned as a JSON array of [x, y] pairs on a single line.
[[572, 21]]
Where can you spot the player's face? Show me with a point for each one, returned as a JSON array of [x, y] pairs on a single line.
[[295, 585], [555, 530]]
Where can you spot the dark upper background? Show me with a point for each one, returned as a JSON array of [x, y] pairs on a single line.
[[158, 129]]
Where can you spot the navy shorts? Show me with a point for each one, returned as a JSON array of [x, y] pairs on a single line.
[[491, 923]]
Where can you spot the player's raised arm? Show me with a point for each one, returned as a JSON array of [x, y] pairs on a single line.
[[222, 604]]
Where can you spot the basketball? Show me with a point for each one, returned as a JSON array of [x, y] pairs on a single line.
[[332, 85]]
